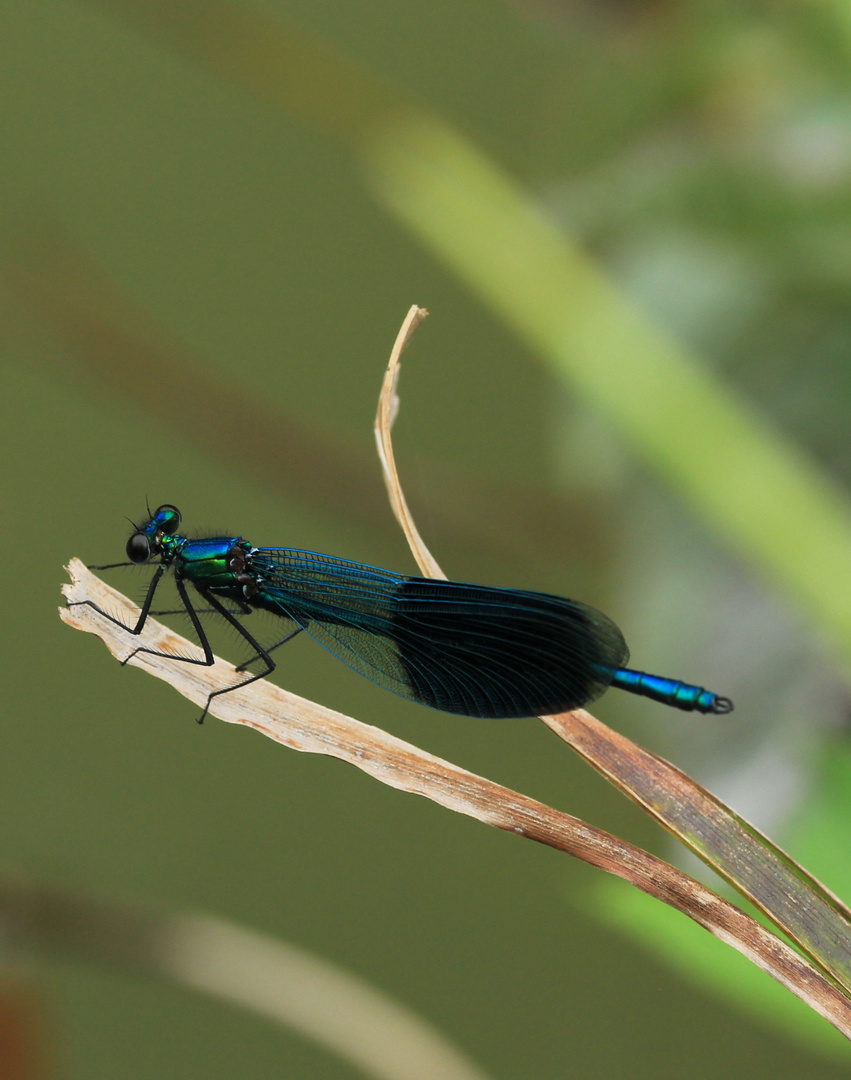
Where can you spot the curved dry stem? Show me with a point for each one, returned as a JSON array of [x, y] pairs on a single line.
[[791, 897], [385, 418], [306, 726]]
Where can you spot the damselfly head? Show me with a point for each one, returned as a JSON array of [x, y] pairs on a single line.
[[146, 541]]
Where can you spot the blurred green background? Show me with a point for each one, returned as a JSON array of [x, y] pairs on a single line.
[[200, 286]]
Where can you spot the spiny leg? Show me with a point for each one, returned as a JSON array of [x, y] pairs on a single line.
[[208, 660], [283, 641], [143, 614], [188, 609], [261, 653]]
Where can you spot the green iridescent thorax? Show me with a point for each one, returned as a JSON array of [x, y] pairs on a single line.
[[206, 563]]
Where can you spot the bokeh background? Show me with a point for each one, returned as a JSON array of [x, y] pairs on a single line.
[[205, 260]]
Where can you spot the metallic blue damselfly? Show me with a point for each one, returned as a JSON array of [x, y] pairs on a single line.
[[467, 649]]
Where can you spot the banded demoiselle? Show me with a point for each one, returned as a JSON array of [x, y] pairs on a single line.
[[467, 649]]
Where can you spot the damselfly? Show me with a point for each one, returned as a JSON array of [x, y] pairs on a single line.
[[467, 649]]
